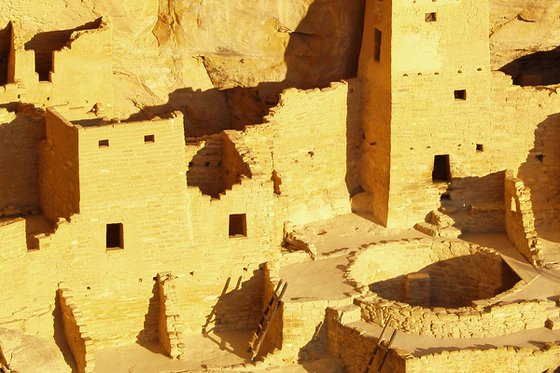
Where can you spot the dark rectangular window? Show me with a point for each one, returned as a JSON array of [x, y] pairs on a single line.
[[103, 143], [430, 17], [377, 46], [238, 225], [149, 138], [114, 236], [460, 94], [479, 147]]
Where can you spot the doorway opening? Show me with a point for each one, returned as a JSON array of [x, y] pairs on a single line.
[[441, 172]]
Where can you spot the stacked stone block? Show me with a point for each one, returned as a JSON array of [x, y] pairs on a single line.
[[77, 336]]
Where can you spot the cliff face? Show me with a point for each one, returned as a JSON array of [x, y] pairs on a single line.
[[169, 49], [522, 27], [167, 45]]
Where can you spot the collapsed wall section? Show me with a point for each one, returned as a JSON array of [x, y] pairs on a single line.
[[170, 325], [519, 218], [78, 339]]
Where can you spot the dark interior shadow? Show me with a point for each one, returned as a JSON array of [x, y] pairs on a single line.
[[536, 69], [324, 34], [236, 314], [353, 139], [149, 337], [60, 338], [436, 350], [45, 43], [317, 347], [19, 140], [451, 285], [5, 46], [475, 203], [540, 174]]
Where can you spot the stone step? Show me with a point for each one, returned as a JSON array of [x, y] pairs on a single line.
[[441, 219], [553, 323], [427, 228]]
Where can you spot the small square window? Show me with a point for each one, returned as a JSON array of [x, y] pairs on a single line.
[[149, 138], [431, 17], [104, 143], [460, 94], [479, 147], [238, 225], [114, 236]]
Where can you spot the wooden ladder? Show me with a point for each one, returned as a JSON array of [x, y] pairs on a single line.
[[379, 347], [270, 310]]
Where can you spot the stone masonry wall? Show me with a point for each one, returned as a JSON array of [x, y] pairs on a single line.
[[274, 337], [205, 166], [86, 58], [502, 359], [77, 337], [467, 322], [309, 153], [187, 234], [59, 168], [520, 221], [355, 346], [297, 322], [353, 343], [20, 134], [170, 326]]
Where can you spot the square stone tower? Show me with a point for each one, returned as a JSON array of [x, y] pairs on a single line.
[[425, 73]]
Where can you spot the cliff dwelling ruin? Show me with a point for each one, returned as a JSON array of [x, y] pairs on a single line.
[[284, 186]]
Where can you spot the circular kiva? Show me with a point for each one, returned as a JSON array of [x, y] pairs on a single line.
[[445, 289]]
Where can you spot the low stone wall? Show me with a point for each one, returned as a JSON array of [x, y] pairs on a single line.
[[297, 322], [520, 221], [354, 344], [458, 272], [467, 322], [78, 340], [170, 325], [491, 360], [484, 218], [273, 339]]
